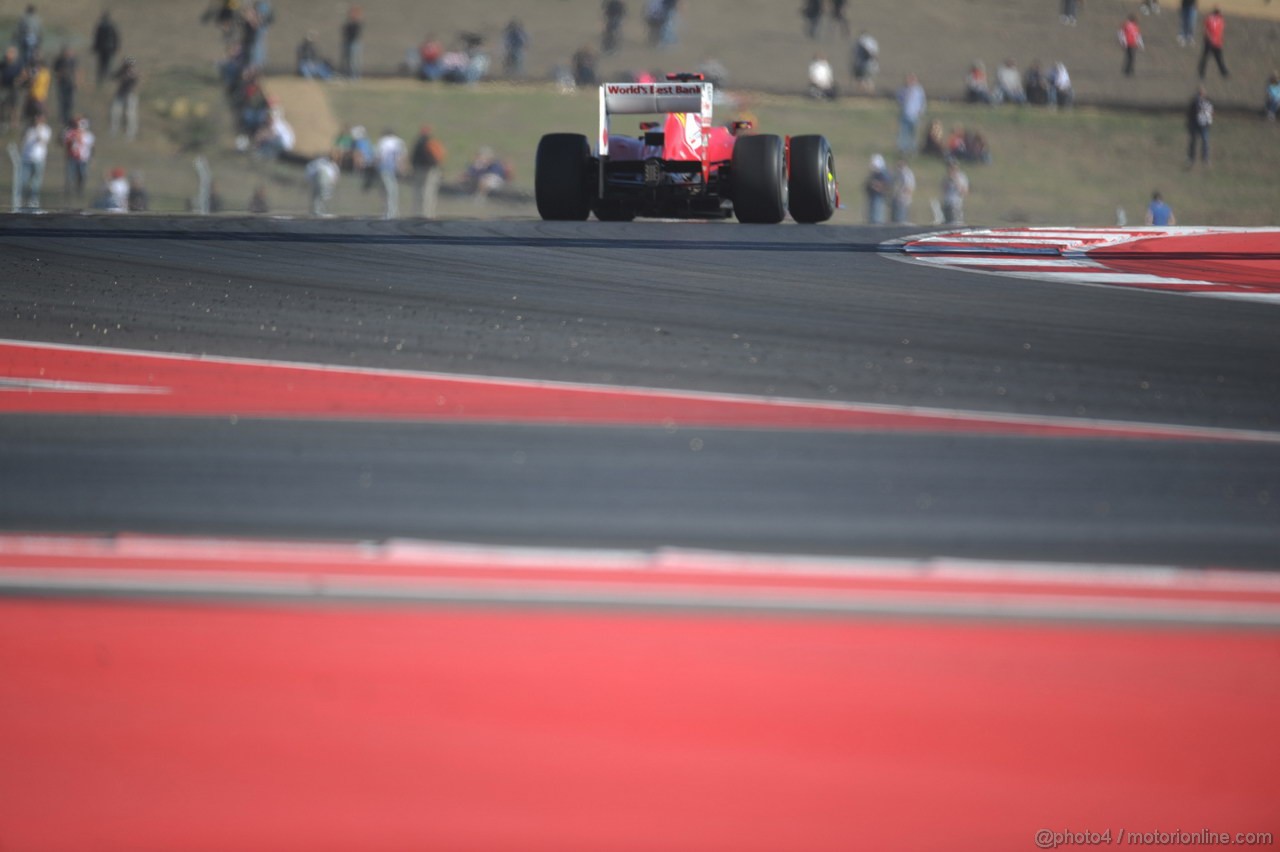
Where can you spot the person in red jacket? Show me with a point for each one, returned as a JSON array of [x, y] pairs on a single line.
[[1131, 41], [1214, 27]]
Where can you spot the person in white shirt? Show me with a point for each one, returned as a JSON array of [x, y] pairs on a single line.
[[391, 154], [118, 191], [78, 143], [322, 175], [35, 153], [822, 79]]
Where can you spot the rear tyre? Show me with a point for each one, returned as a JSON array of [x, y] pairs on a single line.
[[759, 180], [562, 177], [813, 179]]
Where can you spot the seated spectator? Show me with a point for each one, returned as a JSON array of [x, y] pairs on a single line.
[[486, 174], [1060, 92], [275, 137], [1009, 83], [976, 88], [958, 143], [1037, 85], [138, 199], [934, 143], [1273, 95], [431, 59], [822, 79], [311, 64]]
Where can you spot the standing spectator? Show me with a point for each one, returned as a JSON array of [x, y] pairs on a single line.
[[877, 186], [584, 66], [77, 143], [1199, 120], [822, 79], [811, 11], [1131, 40], [911, 107], [838, 17], [1009, 83], [1069, 12], [955, 188], [29, 35], [1187, 23], [124, 107], [654, 12], [614, 12], [39, 80], [904, 188], [515, 40], [427, 160], [1273, 96], [35, 152], [258, 203], [866, 61], [670, 23], [11, 74], [266, 17], [1158, 212], [106, 41], [352, 50], [322, 176], [1149, 7], [250, 31], [391, 154], [66, 75], [1214, 31]]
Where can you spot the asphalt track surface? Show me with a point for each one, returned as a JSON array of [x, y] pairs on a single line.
[[808, 313]]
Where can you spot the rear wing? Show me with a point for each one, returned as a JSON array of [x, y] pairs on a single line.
[[650, 98]]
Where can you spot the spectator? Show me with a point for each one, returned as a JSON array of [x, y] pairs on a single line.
[[976, 88], [266, 16], [934, 143], [958, 143], [1131, 40], [250, 30], [911, 106], [258, 204], [431, 59], [322, 176], [28, 36], [139, 201], [584, 66], [838, 16], [275, 137], [515, 40], [117, 191], [66, 75], [866, 62], [1273, 96], [352, 49], [124, 107], [35, 153], [427, 160], [1009, 83], [877, 186], [654, 19], [1158, 212], [670, 23], [955, 189], [106, 41], [1069, 12], [390, 154], [1187, 23], [614, 13], [811, 11], [1036, 84], [311, 64], [77, 144], [1199, 120], [822, 79], [1149, 7], [11, 74], [1214, 32], [904, 188], [223, 13], [486, 174], [39, 80], [1060, 91]]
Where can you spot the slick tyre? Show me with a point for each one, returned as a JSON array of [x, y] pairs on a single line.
[[812, 184], [759, 180], [562, 177]]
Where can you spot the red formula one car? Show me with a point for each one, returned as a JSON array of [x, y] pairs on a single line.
[[682, 166]]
